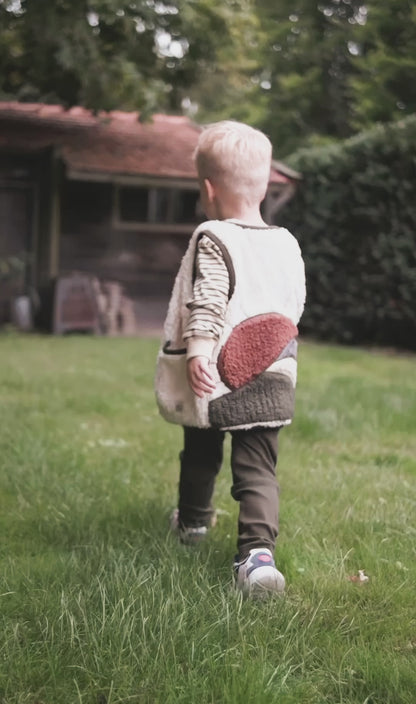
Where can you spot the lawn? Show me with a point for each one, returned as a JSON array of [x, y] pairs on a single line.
[[100, 605]]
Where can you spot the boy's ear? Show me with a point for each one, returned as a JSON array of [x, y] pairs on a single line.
[[210, 190]]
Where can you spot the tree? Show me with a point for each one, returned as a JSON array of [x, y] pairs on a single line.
[[331, 68], [227, 87], [384, 87], [307, 65], [306, 72], [106, 54]]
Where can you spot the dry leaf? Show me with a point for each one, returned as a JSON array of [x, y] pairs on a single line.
[[360, 578]]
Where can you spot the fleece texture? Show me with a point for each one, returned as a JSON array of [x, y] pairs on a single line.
[[253, 346], [266, 399]]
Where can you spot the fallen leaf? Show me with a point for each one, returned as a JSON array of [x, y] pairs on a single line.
[[360, 578]]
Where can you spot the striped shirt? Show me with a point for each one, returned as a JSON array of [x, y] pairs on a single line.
[[209, 300]]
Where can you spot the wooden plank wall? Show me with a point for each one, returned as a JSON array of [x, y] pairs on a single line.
[[16, 230], [144, 263]]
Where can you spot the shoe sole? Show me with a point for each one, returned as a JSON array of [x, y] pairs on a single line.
[[266, 582]]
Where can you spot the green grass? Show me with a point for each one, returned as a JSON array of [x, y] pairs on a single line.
[[100, 605]]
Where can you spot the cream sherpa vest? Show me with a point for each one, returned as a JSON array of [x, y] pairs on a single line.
[[254, 362]]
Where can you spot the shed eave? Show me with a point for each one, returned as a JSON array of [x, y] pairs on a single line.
[[119, 178]]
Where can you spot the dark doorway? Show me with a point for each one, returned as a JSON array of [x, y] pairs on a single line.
[[16, 224]]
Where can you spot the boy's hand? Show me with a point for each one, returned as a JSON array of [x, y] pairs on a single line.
[[199, 376]]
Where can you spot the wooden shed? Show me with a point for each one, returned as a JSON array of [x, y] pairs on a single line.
[[103, 194]]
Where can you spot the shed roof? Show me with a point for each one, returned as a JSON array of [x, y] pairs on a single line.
[[112, 143]]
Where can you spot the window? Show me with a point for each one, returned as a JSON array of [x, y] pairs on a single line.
[[133, 204], [186, 206], [85, 202], [161, 205]]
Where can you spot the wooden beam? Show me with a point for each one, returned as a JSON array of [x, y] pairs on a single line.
[[55, 216]]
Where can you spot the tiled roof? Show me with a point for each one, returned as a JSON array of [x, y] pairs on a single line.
[[114, 143]]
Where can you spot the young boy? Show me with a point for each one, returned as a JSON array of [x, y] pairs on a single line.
[[228, 362]]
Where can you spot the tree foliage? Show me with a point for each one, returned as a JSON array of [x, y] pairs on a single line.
[[355, 217], [305, 71], [306, 68], [384, 87], [332, 68], [108, 54]]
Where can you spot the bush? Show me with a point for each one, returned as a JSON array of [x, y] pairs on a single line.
[[355, 217]]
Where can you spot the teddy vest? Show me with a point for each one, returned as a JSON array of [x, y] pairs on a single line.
[[254, 361]]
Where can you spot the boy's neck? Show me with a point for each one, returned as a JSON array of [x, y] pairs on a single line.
[[221, 204], [247, 215]]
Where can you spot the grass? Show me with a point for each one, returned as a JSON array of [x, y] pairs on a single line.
[[100, 605]]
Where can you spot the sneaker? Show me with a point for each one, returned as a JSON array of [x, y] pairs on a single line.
[[257, 575], [189, 535]]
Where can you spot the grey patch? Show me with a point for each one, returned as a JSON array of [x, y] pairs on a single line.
[[291, 350], [270, 397]]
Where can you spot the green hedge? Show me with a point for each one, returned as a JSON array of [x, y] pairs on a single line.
[[355, 218]]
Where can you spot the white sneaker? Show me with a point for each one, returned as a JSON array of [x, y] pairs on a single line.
[[189, 535], [257, 575]]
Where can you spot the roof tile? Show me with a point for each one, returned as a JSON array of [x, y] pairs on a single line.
[[113, 143]]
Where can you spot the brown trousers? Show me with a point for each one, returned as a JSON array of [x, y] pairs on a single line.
[[253, 466]]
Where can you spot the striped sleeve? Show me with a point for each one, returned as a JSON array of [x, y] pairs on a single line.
[[210, 292]]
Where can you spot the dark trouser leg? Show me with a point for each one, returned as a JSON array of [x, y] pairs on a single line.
[[253, 464], [201, 461]]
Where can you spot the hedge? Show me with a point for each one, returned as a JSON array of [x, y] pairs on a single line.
[[354, 215]]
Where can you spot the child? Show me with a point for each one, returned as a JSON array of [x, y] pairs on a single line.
[[228, 362]]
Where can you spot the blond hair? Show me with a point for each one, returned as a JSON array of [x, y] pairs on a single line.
[[236, 157]]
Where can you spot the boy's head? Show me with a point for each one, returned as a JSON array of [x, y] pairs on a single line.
[[235, 158]]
